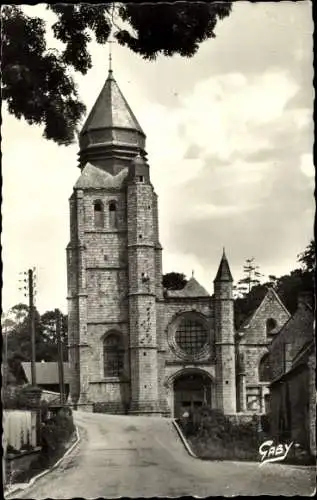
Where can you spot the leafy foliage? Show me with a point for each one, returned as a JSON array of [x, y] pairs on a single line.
[[19, 341], [288, 287], [214, 436], [170, 28], [16, 370], [36, 81], [251, 277], [174, 281], [56, 431], [24, 397], [307, 258]]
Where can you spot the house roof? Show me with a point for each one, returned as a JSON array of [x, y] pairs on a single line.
[[299, 363], [191, 289], [306, 323], [302, 354], [47, 373]]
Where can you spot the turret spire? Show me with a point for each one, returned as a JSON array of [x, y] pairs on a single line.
[[224, 273]]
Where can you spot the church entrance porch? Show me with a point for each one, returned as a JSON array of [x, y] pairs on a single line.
[[191, 391]]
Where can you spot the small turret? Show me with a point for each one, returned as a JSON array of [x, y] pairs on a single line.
[[223, 273], [139, 170], [224, 337], [223, 280]]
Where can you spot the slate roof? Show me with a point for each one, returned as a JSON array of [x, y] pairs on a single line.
[[249, 318], [111, 110], [224, 273], [301, 356], [46, 373], [301, 321], [94, 177], [299, 363], [191, 289]]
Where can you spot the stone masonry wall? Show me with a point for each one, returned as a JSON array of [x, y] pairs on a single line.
[[225, 348], [142, 298], [295, 334], [255, 341]]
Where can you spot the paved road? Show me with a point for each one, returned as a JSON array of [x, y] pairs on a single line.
[[144, 457]]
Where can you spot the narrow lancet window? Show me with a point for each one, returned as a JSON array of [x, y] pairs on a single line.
[[113, 356], [113, 215], [98, 214]]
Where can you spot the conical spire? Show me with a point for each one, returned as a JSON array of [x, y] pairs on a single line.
[[111, 128], [111, 110], [224, 273]]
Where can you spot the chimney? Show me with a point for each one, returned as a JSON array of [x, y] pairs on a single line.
[[304, 299]]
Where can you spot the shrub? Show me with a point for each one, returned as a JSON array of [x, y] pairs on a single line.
[[44, 410], [56, 432], [21, 397], [213, 435]]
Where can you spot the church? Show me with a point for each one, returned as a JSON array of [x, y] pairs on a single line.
[[133, 346]]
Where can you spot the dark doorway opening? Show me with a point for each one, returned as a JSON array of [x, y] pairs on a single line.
[[191, 391]]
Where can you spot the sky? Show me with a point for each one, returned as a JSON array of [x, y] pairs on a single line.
[[229, 142]]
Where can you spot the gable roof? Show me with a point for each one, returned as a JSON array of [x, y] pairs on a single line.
[[299, 363], [251, 316], [191, 289], [305, 320], [301, 356], [96, 178]]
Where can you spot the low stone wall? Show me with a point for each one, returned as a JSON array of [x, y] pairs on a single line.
[[15, 464], [116, 408], [50, 397]]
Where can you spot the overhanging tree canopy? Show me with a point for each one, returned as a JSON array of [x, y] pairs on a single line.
[[37, 83]]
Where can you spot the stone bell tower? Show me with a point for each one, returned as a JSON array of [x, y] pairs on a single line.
[[142, 290], [113, 261]]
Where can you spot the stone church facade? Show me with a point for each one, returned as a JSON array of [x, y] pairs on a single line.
[[134, 347]]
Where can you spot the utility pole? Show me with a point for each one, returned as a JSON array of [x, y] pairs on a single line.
[[28, 289], [32, 324], [5, 364], [60, 356]]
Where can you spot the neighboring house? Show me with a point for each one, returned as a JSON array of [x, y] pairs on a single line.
[[47, 375], [253, 340], [293, 390]]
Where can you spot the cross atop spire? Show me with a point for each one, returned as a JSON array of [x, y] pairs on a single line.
[[192, 273], [110, 54]]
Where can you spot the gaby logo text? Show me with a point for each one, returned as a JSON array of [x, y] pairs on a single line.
[[271, 453]]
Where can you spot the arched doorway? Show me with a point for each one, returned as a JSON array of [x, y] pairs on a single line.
[[191, 390]]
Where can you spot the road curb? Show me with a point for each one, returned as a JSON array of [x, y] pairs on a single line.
[[184, 440], [25, 486]]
